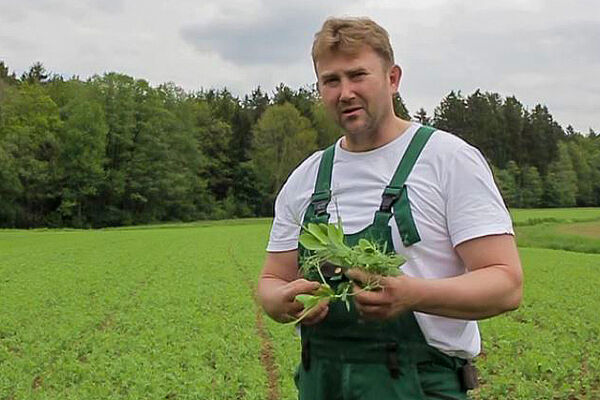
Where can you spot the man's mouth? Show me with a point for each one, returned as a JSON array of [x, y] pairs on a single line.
[[351, 110]]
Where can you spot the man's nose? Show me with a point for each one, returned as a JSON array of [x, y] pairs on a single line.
[[347, 91]]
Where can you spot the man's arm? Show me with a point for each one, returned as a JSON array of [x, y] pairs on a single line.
[[492, 285], [279, 284]]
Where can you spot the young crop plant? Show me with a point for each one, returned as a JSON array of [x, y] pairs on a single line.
[[328, 249]]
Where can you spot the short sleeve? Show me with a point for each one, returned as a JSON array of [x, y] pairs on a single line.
[[286, 225], [474, 206]]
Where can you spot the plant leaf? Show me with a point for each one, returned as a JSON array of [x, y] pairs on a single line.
[[334, 236], [340, 228], [324, 291], [311, 242], [340, 261], [317, 232], [365, 245], [307, 300]]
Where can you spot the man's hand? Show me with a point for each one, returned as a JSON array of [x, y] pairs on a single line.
[[279, 285], [287, 309], [387, 301]]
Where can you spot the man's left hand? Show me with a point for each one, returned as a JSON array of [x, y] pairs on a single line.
[[389, 300]]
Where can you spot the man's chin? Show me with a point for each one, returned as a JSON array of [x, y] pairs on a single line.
[[353, 127]]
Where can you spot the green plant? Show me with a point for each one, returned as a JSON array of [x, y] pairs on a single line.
[[327, 246]]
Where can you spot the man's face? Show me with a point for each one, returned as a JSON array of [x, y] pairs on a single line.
[[356, 90]]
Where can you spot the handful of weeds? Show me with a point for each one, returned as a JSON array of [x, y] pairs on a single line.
[[327, 245]]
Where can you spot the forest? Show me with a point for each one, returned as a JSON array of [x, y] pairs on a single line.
[[113, 150]]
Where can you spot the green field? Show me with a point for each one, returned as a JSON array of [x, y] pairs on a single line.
[[561, 215], [168, 312]]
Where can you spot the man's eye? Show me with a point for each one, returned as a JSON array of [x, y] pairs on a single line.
[[330, 81]]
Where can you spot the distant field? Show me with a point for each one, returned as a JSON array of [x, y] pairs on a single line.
[[587, 229], [583, 237], [563, 215], [167, 312]]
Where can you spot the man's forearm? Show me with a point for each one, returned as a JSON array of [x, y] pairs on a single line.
[[479, 294], [267, 291]]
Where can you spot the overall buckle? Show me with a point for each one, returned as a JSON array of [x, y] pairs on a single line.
[[320, 201], [389, 197], [320, 207]]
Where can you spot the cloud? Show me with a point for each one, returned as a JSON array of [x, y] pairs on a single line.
[[512, 48], [10, 14], [54, 10], [272, 33], [541, 51], [108, 6]]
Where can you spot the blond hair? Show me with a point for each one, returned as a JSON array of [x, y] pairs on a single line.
[[349, 35]]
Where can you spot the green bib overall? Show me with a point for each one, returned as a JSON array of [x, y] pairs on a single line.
[[347, 358]]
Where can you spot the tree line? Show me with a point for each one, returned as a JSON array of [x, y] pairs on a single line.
[[113, 150]]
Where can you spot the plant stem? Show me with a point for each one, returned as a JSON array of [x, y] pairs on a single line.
[[321, 275]]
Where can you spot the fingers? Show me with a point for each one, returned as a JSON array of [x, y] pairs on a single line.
[[372, 304], [317, 318], [291, 309], [373, 312], [368, 298], [363, 278], [357, 275], [295, 308], [317, 314], [299, 286]]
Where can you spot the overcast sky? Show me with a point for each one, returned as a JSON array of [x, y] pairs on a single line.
[[540, 51]]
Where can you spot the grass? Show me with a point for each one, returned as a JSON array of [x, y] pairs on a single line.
[[524, 217], [167, 312], [550, 236], [569, 229]]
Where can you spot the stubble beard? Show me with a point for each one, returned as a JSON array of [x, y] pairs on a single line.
[[359, 132]]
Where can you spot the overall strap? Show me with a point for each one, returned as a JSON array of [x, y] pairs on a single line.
[[317, 209], [395, 194]]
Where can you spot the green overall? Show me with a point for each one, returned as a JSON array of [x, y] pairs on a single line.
[[347, 358]]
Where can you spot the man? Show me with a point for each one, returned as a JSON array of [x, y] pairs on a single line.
[[425, 193]]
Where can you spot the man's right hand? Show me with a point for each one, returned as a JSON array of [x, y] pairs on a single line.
[[289, 309], [279, 285]]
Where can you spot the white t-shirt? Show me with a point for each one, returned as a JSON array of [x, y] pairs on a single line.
[[453, 198]]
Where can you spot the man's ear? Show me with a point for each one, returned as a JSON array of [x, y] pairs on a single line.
[[395, 76]]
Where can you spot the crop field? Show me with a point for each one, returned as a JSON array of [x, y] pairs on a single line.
[[168, 312], [130, 314]]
